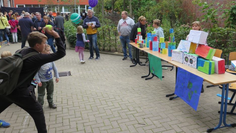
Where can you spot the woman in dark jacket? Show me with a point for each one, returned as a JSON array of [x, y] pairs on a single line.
[[140, 24], [47, 21]]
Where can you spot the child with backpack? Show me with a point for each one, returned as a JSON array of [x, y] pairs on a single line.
[[13, 23], [80, 43], [44, 79]]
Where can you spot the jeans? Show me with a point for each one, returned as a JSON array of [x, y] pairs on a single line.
[[3, 33], [49, 86], [27, 101], [50, 42], [93, 43], [14, 37], [125, 41], [23, 39]]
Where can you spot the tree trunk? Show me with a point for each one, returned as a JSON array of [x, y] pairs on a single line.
[[124, 5], [130, 8]]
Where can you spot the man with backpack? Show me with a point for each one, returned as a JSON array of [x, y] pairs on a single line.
[[32, 60]]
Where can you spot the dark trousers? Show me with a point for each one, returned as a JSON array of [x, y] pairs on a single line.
[[23, 41], [49, 86], [26, 100]]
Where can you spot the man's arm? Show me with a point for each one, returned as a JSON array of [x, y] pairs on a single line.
[[97, 23], [118, 28], [40, 59]]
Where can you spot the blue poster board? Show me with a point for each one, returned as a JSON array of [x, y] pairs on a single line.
[[188, 87]]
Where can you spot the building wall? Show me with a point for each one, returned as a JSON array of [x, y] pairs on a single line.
[[6, 3], [195, 11], [51, 2]]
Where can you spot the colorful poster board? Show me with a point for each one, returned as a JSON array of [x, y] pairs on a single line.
[[184, 46], [177, 56], [219, 65], [190, 60], [206, 66], [188, 87], [205, 51], [155, 65]]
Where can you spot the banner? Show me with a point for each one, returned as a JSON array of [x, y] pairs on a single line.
[[155, 65], [188, 87]]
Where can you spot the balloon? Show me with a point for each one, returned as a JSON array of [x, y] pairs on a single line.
[[49, 27], [93, 3], [75, 18]]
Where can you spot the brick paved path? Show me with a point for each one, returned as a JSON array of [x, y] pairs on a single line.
[[107, 96]]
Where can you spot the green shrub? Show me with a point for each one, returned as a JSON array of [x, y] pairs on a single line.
[[70, 32], [224, 39]]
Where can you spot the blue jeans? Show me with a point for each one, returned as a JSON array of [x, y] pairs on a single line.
[[93, 43], [3, 33], [50, 42], [23, 41], [125, 41]]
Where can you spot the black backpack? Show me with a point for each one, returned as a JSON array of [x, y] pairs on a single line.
[[10, 69]]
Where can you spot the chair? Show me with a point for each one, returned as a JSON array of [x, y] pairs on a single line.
[[232, 87], [232, 56], [218, 53]]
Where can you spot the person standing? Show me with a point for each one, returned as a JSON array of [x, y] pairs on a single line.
[[47, 21], [25, 26], [3, 24], [51, 16], [140, 24], [38, 22], [91, 23], [13, 23], [67, 17], [33, 17], [59, 21], [83, 14], [124, 28]]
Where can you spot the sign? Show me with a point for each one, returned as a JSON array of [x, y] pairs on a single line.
[[155, 65], [188, 87]]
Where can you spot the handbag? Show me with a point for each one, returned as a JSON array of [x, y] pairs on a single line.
[[7, 29]]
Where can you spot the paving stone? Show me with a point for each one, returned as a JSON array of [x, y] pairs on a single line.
[[108, 96]]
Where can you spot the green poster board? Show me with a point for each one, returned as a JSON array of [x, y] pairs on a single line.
[[155, 65]]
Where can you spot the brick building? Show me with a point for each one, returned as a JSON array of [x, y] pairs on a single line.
[[50, 5], [7, 3]]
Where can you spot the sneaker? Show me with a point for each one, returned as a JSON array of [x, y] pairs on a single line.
[[52, 106], [82, 62], [124, 58], [90, 58], [97, 58], [4, 124]]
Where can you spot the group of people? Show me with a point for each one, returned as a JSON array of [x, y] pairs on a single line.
[[27, 23], [38, 37]]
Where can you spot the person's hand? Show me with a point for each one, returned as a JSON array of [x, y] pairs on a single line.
[[51, 32], [119, 33], [39, 28], [93, 26], [57, 80], [88, 24], [88, 41], [40, 84], [34, 28]]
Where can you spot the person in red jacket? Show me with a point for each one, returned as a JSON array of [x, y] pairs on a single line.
[[13, 23]]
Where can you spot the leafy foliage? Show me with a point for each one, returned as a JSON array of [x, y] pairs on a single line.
[[70, 32]]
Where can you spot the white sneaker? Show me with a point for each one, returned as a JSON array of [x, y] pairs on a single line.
[[82, 62]]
